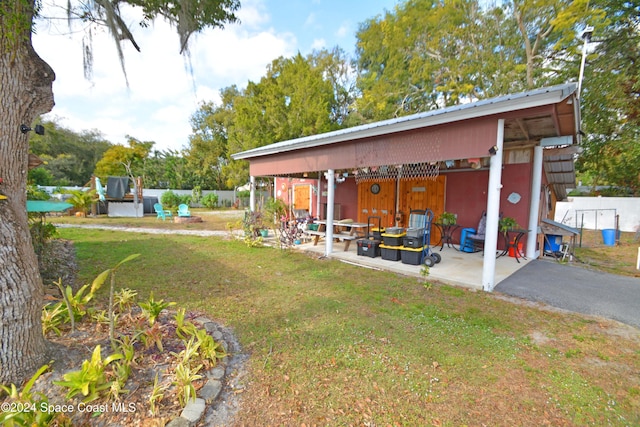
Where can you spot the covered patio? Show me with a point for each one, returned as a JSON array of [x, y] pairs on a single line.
[[507, 156], [456, 268]]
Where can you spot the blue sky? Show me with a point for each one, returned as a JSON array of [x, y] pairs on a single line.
[[162, 94]]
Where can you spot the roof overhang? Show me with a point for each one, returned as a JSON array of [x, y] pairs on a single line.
[[530, 116]]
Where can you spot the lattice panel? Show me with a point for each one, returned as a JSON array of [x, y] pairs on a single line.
[[389, 173]]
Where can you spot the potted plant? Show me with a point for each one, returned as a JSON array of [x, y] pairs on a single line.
[[507, 223], [448, 218]]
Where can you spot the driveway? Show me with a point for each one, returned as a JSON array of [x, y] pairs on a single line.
[[576, 289]]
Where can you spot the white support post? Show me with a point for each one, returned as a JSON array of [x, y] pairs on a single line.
[[328, 241], [493, 213], [252, 193], [319, 196], [534, 209]]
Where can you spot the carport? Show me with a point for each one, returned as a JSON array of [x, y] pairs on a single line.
[[523, 143]]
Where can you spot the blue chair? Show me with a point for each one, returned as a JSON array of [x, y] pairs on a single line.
[[162, 213], [183, 210]]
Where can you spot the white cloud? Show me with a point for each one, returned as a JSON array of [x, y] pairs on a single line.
[[318, 44], [311, 20], [344, 30]]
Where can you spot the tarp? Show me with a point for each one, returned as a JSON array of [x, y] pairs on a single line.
[[117, 187], [44, 206]]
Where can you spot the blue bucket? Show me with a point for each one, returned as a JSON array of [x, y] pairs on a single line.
[[609, 236]]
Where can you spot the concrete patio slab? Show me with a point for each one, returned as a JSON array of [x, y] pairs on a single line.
[[456, 268]]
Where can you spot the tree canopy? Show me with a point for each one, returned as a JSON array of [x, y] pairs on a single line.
[[611, 100], [298, 96], [70, 157]]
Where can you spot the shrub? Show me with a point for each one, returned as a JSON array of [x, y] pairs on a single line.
[[196, 194], [170, 200], [210, 200]]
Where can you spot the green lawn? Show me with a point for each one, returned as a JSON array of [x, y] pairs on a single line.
[[335, 344]]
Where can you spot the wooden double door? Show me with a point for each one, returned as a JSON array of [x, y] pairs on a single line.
[[378, 198]]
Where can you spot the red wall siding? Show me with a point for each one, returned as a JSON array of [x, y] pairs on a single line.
[[466, 195]]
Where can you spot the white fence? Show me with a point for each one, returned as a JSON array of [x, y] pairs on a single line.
[[226, 198], [599, 213]]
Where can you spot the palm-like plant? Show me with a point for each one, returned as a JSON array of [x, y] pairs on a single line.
[[82, 200]]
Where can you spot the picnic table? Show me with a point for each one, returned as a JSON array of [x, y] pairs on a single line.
[[352, 230]]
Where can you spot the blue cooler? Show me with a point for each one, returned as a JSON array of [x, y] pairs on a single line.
[[466, 245]]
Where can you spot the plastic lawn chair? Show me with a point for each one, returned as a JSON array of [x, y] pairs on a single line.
[[162, 213], [183, 210]]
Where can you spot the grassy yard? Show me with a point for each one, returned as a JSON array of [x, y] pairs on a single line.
[[335, 344]]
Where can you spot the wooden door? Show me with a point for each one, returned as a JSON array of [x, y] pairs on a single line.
[[302, 197], [423, 194], [377, 198]]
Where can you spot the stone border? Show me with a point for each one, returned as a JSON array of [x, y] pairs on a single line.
[[217, 401]]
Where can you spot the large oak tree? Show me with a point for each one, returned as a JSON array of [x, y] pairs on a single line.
[[25, 93]]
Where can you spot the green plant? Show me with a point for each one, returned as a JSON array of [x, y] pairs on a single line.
[[507, 223], [112, 286], [82, 200], [209, 350], [157, 393], [41, 232], [152, 335], [77, 304], [448, 218], [196, 194], [190, 351], [185, 375], [152, 308], [91, 380], [210, 200], [170, 200], [125, 298], [35, 193], [121, 371], [274, 210], [424, 271], [25, 408], [125, 347], [183, 328], [52, 316], [101, 317]]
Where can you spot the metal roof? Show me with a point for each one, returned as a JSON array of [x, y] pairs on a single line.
[[525, 129], [559, 169]]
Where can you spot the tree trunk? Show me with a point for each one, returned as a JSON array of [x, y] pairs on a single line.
[[25, 93]]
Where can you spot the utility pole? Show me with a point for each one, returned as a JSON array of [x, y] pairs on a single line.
[[586, 35]]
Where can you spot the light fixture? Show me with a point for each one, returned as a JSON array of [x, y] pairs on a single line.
[[39, 129], [493, 150]]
